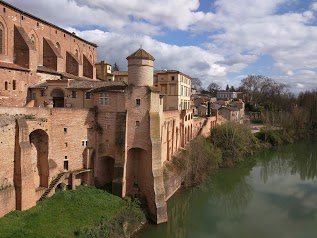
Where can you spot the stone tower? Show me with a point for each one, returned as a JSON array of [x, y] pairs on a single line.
[[143, 175], [140, 68]]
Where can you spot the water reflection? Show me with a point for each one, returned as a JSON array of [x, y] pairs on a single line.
[[230, 189], [294, 159], [269, 195]]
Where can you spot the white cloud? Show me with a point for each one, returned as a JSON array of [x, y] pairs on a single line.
[[240, 32], [192, 60]]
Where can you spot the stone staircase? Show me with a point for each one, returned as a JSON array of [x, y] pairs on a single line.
[[52, 185]]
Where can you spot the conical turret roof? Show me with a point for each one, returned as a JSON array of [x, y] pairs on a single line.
[[141, 54]]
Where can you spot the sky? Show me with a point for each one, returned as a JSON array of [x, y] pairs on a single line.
[[219, 41]]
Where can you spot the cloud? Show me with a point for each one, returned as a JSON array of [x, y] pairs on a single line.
[[192, 60], [238, 34]]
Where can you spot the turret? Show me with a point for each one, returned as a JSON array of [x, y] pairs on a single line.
[[140, 68]]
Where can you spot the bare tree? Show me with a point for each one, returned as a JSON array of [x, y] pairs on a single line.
[[213, 88]]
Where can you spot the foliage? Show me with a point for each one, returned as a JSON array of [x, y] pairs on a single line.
[[124, 223], [213, 88], [196, 84], [64, 214], [264, 91], [200, 158], [234, 140], [270, 136], [115, 67]]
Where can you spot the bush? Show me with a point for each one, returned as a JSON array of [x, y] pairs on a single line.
[[123, 224], [234, 140], [200, 158]]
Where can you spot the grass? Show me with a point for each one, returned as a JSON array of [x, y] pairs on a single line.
[[64, 215]]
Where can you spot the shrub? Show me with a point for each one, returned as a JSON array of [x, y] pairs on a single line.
[[199, 159], [234, 140]]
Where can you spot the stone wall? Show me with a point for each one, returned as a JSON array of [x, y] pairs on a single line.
[[7, 201], [58, 136]]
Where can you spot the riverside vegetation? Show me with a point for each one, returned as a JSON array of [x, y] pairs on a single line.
[[285, 119]]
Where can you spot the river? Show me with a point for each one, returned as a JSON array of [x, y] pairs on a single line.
[[271, 194]]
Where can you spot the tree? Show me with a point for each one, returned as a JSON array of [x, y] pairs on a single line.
[[115, 67], [227, 88], [213, 88], [196, 84], [232, 89], [264, 91]]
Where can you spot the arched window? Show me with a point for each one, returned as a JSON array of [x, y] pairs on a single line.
[[58, 46], [1, 39], [76, 53]]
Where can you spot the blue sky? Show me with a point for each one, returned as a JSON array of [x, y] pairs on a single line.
[[219, 41]]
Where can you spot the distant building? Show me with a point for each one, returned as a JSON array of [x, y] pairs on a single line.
[[227, 95], [175, 87], [104, 71]]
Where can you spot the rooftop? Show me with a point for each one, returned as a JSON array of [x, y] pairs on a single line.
[[141, 54]]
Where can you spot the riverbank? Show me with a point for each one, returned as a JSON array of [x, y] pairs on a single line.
[[84, 212]]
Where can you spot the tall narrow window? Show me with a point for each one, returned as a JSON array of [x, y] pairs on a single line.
[[87, 95], [103, 98], [74, 94], [1, 38], [138, 102], [14, 86], [5, 85]]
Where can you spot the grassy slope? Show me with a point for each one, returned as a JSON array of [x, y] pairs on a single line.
[[61, 215]]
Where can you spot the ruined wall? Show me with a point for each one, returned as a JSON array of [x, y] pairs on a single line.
[[24, 165], [110, 140], [13, 86], [7, 141]]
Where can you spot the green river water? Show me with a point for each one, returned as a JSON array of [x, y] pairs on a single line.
[[272, 194]]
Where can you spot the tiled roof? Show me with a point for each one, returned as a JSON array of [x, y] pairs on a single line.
[[64, 75], [141, 54], [124, 73], [8, 65], [41, 84], [109, 86], [83, 84]]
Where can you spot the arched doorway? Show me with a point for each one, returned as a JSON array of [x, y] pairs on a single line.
[[139, 176], [58, 97], [104, 172], [39, 150]]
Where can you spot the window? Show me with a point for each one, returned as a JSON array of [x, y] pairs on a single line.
[[14, 85], [87, 95], [138, 102], [66, 165], [103, 98], [137, 123], [84, 143], [42, 93], [4, 9], [5, 85], [66, 144], [65, 130], [74, 94], [173, 78]]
